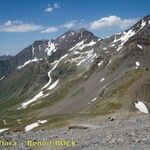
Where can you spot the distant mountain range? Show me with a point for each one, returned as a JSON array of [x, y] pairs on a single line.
[[5, 57], [77, 72]]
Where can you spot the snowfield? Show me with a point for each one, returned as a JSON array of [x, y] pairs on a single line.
[[28, 62], [81, 45], [53, 85], [51, 48], [2, 78], [35, 98], [54, 67], [124, 38], [34, 125], [93, 100], [100, 63], [47, 87], [2, 130], [102, 79], [141, 107], [143, 24], [140, 46], [87, 45], [137, 63]]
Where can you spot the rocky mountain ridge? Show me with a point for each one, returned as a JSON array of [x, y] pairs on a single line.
[[77, 73]]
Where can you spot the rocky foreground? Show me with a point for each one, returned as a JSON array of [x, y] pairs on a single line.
[[115, 132]]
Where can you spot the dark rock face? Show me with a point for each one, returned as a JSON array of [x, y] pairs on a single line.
[[5, 57], [4, 64]]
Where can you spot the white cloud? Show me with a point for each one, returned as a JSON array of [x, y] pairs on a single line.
[[49, 9], [8, 23], [50, 30], [19, 26], [70, 24], [106, 23], [110, 22], [56, 5], [128, 23], [74, 24]]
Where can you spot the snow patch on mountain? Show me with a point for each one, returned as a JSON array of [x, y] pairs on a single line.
[[143, 24], [126, 35], [2, 130], [52, 86], [93, 100], [41, 94], [54, 67], [137, 63], [2, 78], [72, 33], [39, 47], [35, 98], [84, 57], [141, 107], [77, 45], [50, 48], [124, 38], [63, 37], [100, 63], [102, 79], [4, 122], [81, 45], [34, 125], [87, 59], [140, 46], [79, 63], [104, 48], [28, 62], [112, 45], [87, 45], [19, 121], [33, 49], [110, 61]]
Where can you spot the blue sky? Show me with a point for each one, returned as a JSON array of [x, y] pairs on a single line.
[[22, 22]]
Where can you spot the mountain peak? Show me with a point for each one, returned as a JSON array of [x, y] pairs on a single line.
[[146, 18], [40, 41], [141, 24], [83, 30], [66, 35]]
